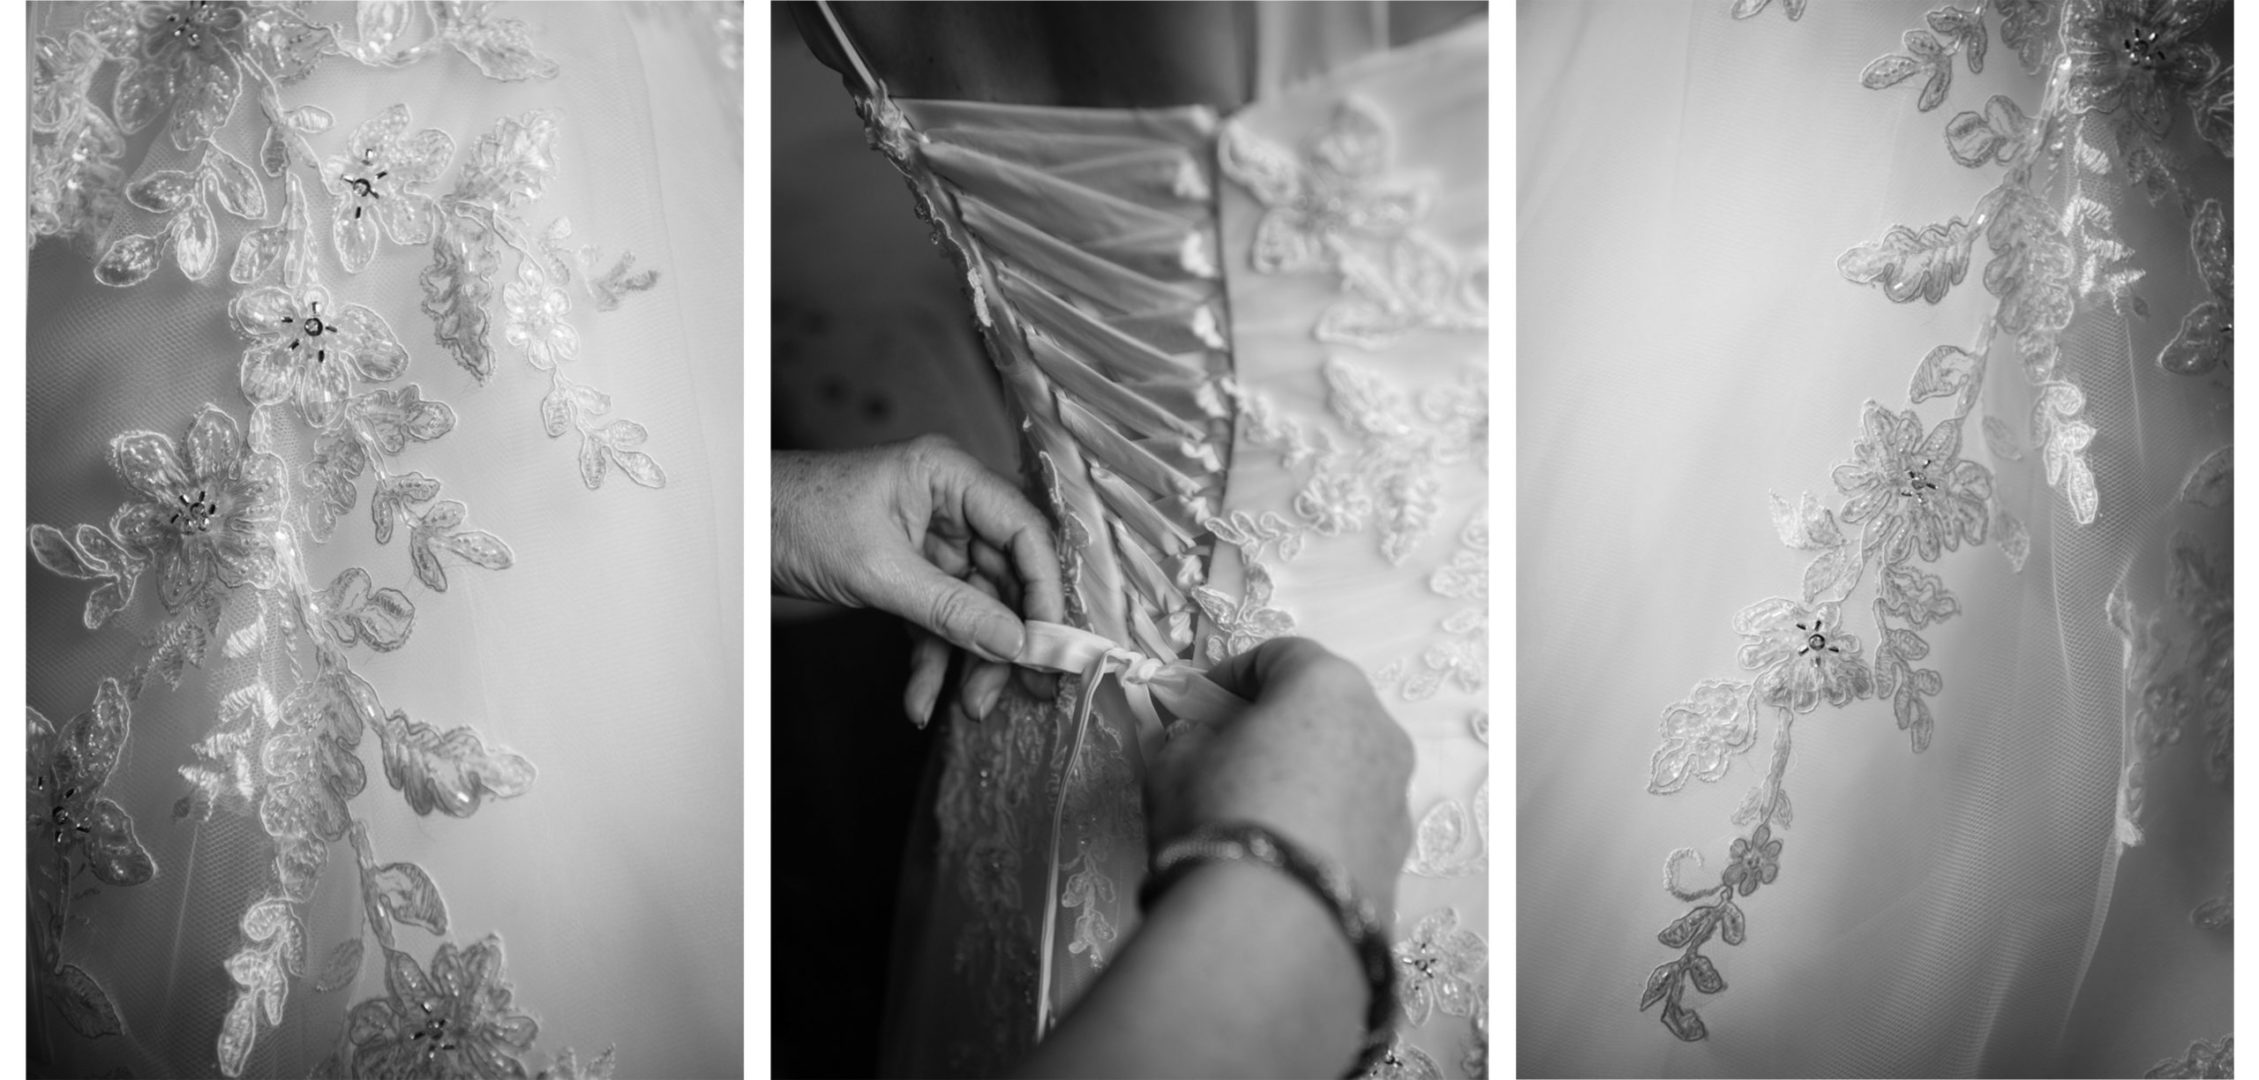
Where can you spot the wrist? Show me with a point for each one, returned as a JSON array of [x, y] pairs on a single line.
[[1325, 886]]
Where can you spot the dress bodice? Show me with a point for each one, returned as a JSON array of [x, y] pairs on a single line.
[[1248, 359]]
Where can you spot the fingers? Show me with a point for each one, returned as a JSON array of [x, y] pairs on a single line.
[[968, 617], [1006, 521], [929, 668], [983, 681], [1277, 663]]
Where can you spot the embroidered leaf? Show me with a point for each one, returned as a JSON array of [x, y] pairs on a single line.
[[1909, 264], [1684, 1023], [639, 467], [1943, 373], [407, 894], [1833, 573], [592, 462], [1887, 71], [1704, 974], [1700, 735], [162, 192], [1659, 983], [236, 185], [55, 552], [1966, 28], [1913, 715], [1688, 928], [356, 611], [83, 1003], [451, 771], [2001, 440], [2210, 484], [236, 1034], [457, 286], [340, 968], [1733, 927], [393, 496], [195, 238], [509, 166], [556, 411], [500, 47], [2015, 541], [130, 260], [1806, 526]]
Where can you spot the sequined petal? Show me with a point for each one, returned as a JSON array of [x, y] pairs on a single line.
[[148, 464], [112, 852], [408, 217], [375, 350], [323, 385], [144, 91], [354, 231], [269, 372], [421, 157]]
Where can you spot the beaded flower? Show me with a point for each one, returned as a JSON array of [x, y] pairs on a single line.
[[308, 347], [211, 512], [371, 185], [455, 1022], [1918, 490], [1802, 654]]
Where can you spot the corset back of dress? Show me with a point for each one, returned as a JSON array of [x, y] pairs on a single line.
[[1164, 296]]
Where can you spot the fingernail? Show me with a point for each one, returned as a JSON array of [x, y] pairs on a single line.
[[988, 702], [1001, 639]]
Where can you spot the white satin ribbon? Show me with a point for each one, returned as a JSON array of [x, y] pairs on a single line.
[[1149, 685]]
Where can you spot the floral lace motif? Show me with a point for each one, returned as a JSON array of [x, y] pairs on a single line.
[[222, 519], [1452, 839], [1907, 490], [2205, 1058], [1332, 209]]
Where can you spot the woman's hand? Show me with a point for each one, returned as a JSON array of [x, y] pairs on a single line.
[[923, 530], [1315, 757]]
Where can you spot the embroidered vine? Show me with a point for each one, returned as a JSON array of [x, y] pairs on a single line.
[[1907, 490], [1332, 208], [222, 521]]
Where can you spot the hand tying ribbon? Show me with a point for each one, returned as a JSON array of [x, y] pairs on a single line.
[[1149, 685], [1179, 687]]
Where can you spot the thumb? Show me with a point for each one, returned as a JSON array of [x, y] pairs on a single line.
[[969, 618]]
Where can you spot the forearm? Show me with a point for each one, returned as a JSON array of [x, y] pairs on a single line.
[[1238, 971]]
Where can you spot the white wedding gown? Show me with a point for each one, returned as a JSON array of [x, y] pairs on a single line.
[[385, 603], [1250, 354], [1936, 297]]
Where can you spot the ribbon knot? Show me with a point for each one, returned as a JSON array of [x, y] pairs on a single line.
[[1148, 684]]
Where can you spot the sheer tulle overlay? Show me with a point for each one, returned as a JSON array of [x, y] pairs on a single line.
[[386, 601], [1921, 295], [1248, 352]]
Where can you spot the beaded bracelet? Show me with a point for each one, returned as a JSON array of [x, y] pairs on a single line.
[[1249, 842]]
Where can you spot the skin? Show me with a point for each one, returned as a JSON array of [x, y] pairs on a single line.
[[921, 530], [1238, 970]]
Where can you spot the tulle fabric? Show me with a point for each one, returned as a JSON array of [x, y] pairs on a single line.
[[608, 654], [1687, 346], [1111, 266]]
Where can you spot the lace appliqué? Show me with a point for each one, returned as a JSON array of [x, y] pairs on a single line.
[[221, 520], [1460, 658], [1452, 838], [1439, 968], [2205, 1058], [1333, 208], [68, 816], [1912, 497], [504, 171]]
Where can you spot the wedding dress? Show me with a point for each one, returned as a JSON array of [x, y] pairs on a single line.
[[386, 595], [1248, 356], [1946, 288]]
